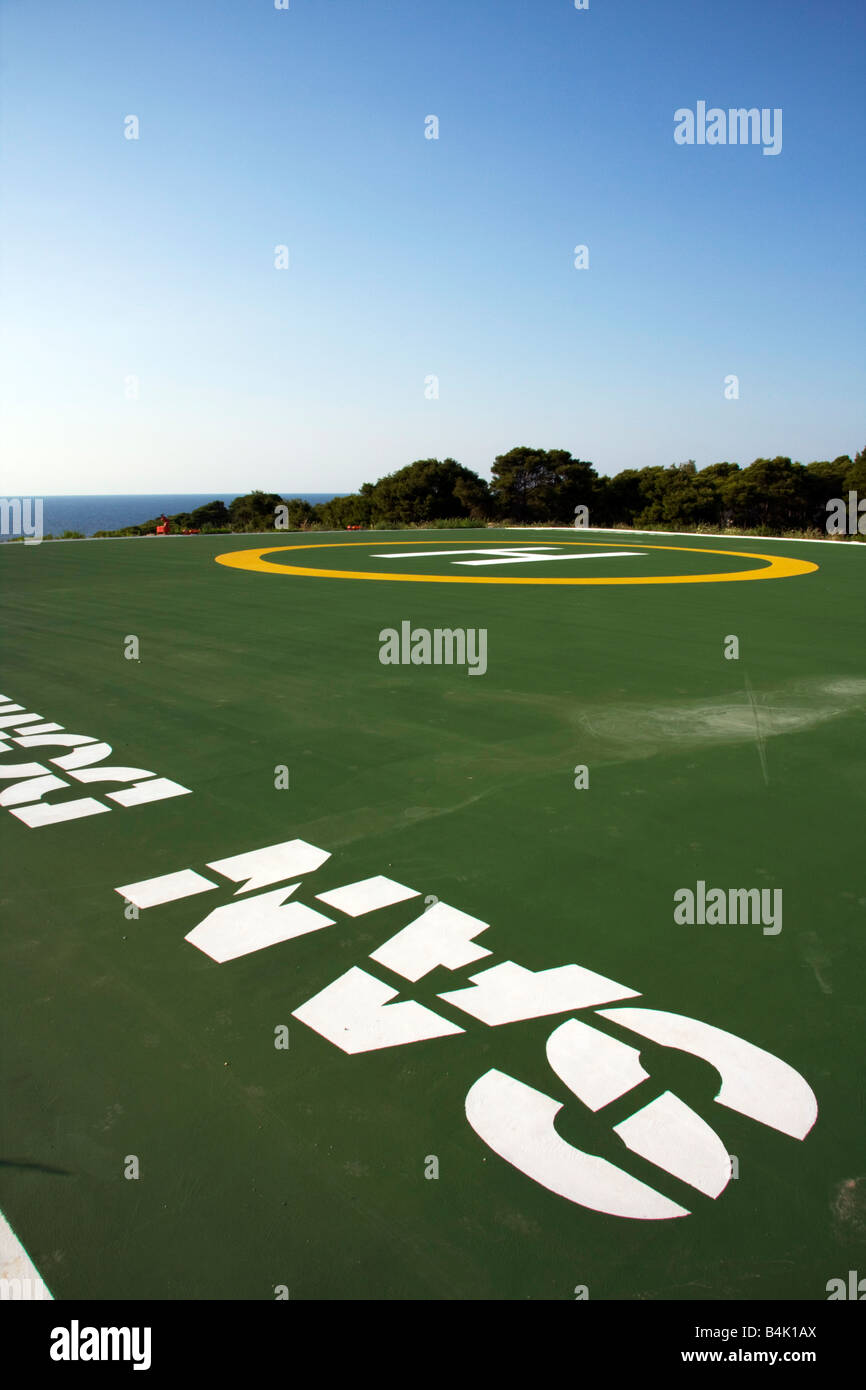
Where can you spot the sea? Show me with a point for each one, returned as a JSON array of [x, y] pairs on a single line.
[[114, 511]]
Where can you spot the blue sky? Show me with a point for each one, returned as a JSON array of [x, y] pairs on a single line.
[[154, 258]]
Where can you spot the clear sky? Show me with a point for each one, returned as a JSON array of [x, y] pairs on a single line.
[[410, 257]]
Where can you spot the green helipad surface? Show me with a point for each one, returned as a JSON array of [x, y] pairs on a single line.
[[343, 1164]]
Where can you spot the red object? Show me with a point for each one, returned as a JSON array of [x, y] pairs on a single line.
[[162, 530]]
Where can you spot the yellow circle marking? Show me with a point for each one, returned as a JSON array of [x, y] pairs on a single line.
[[776, 566]]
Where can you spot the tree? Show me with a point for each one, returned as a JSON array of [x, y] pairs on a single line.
[[824, 481], [210, 514], [544, 485], [621, 498], [547, 486], [686, 499], [428, 490], [300, 514], [254, 511], [340, 512], [771, 494], [855, 477], [472, 495]]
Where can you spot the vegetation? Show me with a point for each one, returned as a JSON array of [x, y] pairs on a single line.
[[770, 497]]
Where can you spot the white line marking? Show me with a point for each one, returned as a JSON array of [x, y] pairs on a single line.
[[667, 1132], [599, 1069], [428, 554], [754, 1082], [517, 1122], [508, 992], [43, 813], [367, 895], [251, 924], [586, 555], [440, 936], [19, 1277], [355, 1013], [160, 789], [153, 892], [257, 868], [507, 556]]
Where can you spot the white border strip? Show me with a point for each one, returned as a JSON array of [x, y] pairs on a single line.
[[376, 531], [20, 1280]]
